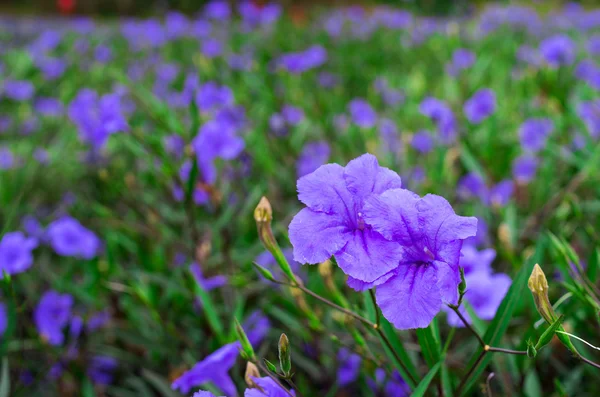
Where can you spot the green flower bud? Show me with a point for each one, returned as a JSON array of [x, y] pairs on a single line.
[[285, 356], [531, 350], [270, 366], [247, 352]]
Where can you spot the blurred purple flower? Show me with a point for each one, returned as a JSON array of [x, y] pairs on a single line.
[[16, 253], [52, 68], [292, 115], [213, 368], [212, 48], [299, 62], [103, 54], [524, 168], [98, 320], [18, 90], [593, 45], [52, 315], [7, 158], [257, 327], [480, 106], [362, 113], [218, 10], [534, 132], [441, 114], [266, 260], [422, 142], [314, 155], [269, 389], [33, 227], [211, 96], [461, 59], [388, 131], [206, 283], [349, 367], [101, 369], [48, 106], [69, 238], [174, 145], [500, 194], [558, 50], [472, 185], [589, 113]]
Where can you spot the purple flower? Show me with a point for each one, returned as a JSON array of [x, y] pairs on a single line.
[[97, 117], [299, 62], [430, 235], [266, 260], [441, 114], [211, 96], [41, 156], [534, 132], [212, 48], [218, 10], [52, 68], [7, 158], [362, 113], [472, 185], [48, 106], [69, 238], [388, 131], [558, 50], [589, 113], [485, 290], [52, 315], [269, 389], [203, 393], [292, 115], [18, 90], [174, 145], [213, 368], [98, 320], [349, 368], [103, 54], [480, 106], [422, 142], [328, 80], [501, 193], [101, 369], [206, 283], [16, 253], [461, 59], [524, 168], [3, 319], [215, 140], [314, 155], [257, 327], [593, 44], [333, 224], [394, 386]]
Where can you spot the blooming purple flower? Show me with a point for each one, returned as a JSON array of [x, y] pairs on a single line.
[[589, 113], [393, 386], [213, 368], [69, 238], [52, 68], [48, 106], [16, 253], [422, 142], [333, 223], [349, 368], [427, 274], [211, 96], [480, 106], [461, 59], [524, 168], [485, 290], [593, 45], [203, 393], [215, 140], [534, 132], [441, 114], [257, 327], [292, 114], [103, 54], [206, 283], [300, 62], [558, 50], [501, 193], [52, 315], [101, 369], [362, 113], [18, 90], [472, 185], [314, 155], [218, 10], [174, 145], [212, 48], [7, 158], [269, 389]]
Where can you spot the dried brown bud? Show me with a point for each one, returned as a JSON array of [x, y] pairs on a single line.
[[251, 373]]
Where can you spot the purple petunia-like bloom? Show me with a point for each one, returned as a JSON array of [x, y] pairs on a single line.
[[384, 236], [269, 389], [16, 253], [349, 368], [480, 106], [558, 50], [314, 155], [18, 90], [52, 315], [534, 132], [333, 223], [485, 289], [362, 113], [214, 369], [68, 237], [422, 141]]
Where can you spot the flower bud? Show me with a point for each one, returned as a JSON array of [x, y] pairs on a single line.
[[285, 356], [247, 350], [270, 366], [539, 289], [531, 350], [251, 373]]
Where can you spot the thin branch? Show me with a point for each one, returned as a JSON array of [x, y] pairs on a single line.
[[466, 323], [275, 379], [475, 364], [377, 319], [507, 351]]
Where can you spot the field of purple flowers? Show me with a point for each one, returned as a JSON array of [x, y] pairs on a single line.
[[166, 185]]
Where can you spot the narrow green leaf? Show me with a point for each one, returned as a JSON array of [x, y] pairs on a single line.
[[499, 324], [548, 334], [430, 346], [423, 386], [479, 325], [593, 264], [159, 383], [209, 309]]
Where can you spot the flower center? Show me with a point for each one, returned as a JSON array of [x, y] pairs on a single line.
[[360, 222]]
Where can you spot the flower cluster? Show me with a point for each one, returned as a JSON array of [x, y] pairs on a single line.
[[382, 235]]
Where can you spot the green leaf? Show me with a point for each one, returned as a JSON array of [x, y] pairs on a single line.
[[423, 386], [548, 334], [243, 338], [479, 325], [211, 313], [430, 345], [593, 264], [159, 383], [270, 366], [499, 324], [264, 272]]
